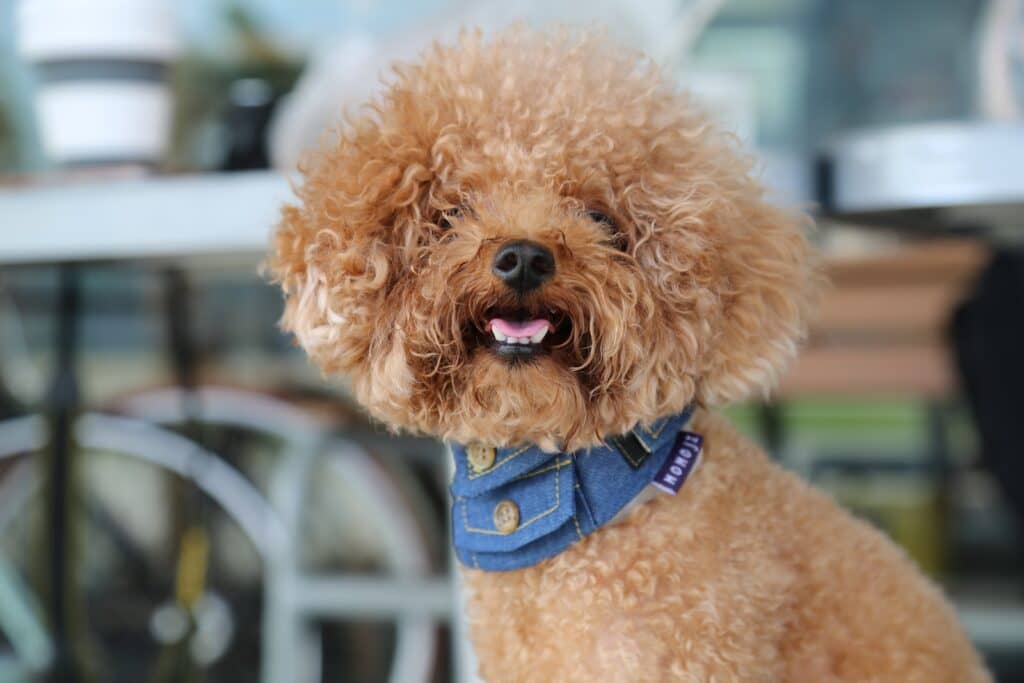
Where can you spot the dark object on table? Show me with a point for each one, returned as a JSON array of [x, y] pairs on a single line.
[[251, 103], [988, 337], [223, 102]]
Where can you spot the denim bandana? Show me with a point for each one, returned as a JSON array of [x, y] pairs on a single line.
[[515, 507]]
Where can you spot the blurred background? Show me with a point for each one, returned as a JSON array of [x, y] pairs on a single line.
[[184, 498]]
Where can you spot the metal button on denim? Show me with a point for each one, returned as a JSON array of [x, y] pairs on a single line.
[[506, 516], [480, 457]]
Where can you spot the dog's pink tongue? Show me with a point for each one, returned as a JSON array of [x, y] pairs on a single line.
[[527, 328]]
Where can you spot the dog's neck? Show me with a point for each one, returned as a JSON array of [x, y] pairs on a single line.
[[515, 507]]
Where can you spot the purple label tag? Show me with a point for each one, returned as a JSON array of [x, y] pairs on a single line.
[[681, 461]]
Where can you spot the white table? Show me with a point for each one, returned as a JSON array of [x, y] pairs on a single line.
[[930, 176], [222, 214]]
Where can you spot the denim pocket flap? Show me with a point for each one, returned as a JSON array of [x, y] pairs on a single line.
[[542, 501], [509, 463]]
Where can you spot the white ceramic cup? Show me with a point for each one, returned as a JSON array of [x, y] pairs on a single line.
[[101, 67]]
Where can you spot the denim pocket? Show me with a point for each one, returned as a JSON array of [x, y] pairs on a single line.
[[544, 501]]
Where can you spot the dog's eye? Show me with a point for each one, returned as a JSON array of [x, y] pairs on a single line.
[[602, 218], [616, 238], [445, 220]]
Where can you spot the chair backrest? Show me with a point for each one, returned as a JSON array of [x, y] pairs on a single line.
[[882, 328]]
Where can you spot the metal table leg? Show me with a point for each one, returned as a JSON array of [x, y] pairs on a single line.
[[61, 486]]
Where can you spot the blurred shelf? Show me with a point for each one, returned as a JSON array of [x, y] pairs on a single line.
[[172, 216], [932, 176], [200, 215]]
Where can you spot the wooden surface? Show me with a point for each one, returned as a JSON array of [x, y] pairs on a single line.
[[882, 327]]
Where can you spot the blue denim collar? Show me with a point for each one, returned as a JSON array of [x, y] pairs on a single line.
[[516, 507]]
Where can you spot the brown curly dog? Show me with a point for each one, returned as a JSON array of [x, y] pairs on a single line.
[[535, 239]]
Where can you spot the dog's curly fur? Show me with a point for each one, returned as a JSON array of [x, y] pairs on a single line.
[[698, 295]]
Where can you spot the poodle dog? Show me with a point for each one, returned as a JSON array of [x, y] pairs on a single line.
[[534, 247]]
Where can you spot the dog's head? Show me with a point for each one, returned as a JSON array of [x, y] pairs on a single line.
[[537, 239]]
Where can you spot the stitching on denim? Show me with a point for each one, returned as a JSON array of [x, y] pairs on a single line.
[[470, 475], [651, 433], [577, 523], [582, 502], [557, 466], [539, 515], [687, 415], [655, 434]]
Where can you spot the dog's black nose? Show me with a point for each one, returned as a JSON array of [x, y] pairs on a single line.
[[523, 265]]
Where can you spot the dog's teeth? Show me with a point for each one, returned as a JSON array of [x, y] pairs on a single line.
[[505, 339]]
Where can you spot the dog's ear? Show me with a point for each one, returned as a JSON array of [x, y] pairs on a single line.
[[766, 284], [340, 249], [734, 271]]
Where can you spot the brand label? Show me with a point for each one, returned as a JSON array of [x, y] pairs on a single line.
[[681, 461]]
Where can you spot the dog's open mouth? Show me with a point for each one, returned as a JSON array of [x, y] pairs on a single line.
[[521, 335]]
